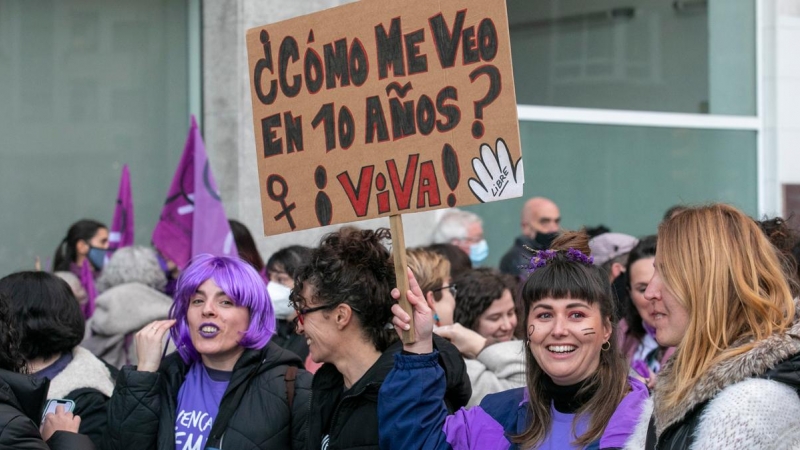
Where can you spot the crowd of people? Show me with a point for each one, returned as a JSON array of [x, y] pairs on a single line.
[[684, 339]]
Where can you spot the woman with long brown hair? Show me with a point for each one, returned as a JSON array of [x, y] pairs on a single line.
[[577, 392], [720, 295]]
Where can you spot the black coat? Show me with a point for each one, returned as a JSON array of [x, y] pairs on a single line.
[[517, 257], [91, 406], [22, 401], [286, 336], [142, 411], [351, 417]]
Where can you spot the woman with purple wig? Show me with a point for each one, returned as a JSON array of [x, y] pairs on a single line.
[[228, 386]]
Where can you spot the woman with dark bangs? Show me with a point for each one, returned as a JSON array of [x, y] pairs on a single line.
[[227, 386], [637, 334], [577, 395]]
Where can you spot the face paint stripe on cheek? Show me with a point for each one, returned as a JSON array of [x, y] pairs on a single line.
[[588, 331]]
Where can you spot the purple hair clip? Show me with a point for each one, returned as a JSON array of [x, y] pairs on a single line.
[[578, 256], [540, 258]]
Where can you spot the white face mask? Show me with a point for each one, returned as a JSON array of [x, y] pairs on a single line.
[[279, 295]]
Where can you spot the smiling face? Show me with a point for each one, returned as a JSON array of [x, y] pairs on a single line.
[[566, 336], [670, 317], [321, 335], [640, 274], [499, 320], [216, 325]]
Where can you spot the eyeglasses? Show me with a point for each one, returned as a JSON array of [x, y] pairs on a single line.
[[303, 311], [452, 287]]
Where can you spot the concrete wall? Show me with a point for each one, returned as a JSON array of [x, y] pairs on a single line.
[[229, 124], [781, 88]]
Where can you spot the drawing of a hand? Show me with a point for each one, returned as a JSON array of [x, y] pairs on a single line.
[[498, 177]]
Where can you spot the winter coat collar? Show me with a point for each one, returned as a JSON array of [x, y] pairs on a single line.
[[24, 392], [328, 378], [262, 360], [765, 355], [84, 371]]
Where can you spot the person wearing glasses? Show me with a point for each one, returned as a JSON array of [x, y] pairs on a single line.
[[343, 301], [432, 272], [485, 323], [227, 386]]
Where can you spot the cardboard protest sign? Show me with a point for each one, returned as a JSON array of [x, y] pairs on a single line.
[[379, 108]]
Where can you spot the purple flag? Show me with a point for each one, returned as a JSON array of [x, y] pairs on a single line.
[[121, 234], [193, 220], [87, 281]]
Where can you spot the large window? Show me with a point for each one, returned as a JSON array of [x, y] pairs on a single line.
[[689, 56], [86, 86], [628, 107], [624, 177]]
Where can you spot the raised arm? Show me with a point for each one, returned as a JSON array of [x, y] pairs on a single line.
[[411, 408], [133, 410]]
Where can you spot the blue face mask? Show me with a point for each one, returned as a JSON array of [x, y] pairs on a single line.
[[478, 252], [97, 256]]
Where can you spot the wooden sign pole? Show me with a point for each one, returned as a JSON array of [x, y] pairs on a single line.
[[400, 268]]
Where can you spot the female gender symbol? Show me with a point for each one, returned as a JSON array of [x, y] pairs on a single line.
[[281, 198]]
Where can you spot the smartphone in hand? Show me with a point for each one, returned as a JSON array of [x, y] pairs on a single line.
[[52, 403]]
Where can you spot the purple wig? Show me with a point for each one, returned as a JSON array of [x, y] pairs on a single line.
[[239, 281]]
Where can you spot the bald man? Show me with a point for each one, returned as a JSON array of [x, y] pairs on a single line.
[[540, 222]]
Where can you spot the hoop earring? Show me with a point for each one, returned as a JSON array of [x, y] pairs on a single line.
[[531, 329], [606, 346]]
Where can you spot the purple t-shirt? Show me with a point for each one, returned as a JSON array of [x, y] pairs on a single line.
[[561, 435], [198, 405]]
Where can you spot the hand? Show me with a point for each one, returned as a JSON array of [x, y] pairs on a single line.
[[651, 382], [498, 177], [149, 344], [643, 373], [423, 318], [60, 421], [468, 342]]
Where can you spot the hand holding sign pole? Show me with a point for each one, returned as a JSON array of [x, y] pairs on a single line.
[[400, 271]]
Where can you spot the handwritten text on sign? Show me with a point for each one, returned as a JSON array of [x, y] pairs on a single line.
[[383, 107]]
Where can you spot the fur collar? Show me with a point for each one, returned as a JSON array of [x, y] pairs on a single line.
[[765, 355], [84, 371]]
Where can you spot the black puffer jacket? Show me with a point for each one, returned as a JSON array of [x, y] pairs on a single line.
[[286, 337], [142, 411], [352, 420], [22, 401]]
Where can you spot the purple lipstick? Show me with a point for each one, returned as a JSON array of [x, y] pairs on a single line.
[[209, 330]]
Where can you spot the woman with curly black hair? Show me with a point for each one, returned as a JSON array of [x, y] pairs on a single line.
[[343, 301], [22, 400]]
